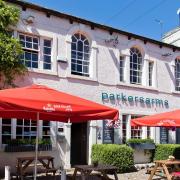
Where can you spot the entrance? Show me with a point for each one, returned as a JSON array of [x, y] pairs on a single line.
[[177, 135], [78, 143]]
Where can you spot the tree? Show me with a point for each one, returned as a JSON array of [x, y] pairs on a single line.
[[10, 47]]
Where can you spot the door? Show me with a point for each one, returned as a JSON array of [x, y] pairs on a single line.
[[78, 143], [177, 135]]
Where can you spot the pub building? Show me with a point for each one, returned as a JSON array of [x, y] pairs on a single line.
[[137, 75]]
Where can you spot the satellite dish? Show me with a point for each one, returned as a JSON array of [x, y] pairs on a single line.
[[178, 11]]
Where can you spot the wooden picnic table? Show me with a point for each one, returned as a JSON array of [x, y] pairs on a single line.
[[86, 170], [23, 163], [165, 164]]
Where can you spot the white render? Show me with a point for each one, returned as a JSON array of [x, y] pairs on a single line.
[[172, 37], [104, 77]]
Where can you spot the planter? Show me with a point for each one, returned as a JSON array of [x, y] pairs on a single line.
[[142, 145], [28, 147]]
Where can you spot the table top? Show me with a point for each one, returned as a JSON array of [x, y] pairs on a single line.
[[168, 162], [95, 168], [33, 158]]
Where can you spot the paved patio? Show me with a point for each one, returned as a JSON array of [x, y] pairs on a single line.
[[139, 175]]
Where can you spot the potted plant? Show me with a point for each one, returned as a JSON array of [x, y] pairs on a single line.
[[22, 145], [141, 143]]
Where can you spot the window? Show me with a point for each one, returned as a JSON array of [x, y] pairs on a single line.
[[47, 54], [177, 74], [148, 132], [124, 129], [150, 72], [26, 129], [46, 130], [6, 130], [80, 54], [136, 131], [135, 66], [32, 47], [121, 68]]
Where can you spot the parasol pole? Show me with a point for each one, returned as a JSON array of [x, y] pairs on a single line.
[[36, 149]]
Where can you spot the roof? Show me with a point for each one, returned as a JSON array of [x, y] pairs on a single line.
[[173, 31], [93, 25]]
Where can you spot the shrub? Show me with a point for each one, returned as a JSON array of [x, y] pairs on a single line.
[[163, 151], [120, 156], [140, 140]]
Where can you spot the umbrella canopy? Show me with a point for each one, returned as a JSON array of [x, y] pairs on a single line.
[[166, 119], [51, 105]]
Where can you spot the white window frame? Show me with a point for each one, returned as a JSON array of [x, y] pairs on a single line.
[[177, 74], [80, 62], [139, 69], [150, 73], [40, 51], [122, 68]]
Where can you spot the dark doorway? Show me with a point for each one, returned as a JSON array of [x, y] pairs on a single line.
[[177, 135], [78, 143]]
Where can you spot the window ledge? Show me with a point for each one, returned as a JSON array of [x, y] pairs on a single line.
[[48, 72], [81, 78], [176, 92], [137, 86]]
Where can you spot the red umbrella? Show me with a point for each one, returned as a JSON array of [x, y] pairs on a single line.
[[41, 102], [51, 105], [166, 119]]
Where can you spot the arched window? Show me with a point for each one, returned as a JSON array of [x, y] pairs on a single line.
[[80, 53], [135, 66], [177, 74]]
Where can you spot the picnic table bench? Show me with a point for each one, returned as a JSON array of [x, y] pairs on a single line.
[[86, 170], [46, 163]]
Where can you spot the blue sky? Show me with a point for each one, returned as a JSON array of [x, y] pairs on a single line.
[[136, 16]]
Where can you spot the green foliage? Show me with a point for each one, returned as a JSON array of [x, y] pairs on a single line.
[[120, 156], [140, 140], [163, 151], [15, 142], [10, 48]]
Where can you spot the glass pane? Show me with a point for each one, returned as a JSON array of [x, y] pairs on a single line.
[[80, 46], [35, 46], [28, 45], [19, 122], [34, 65], [47, 66], [34, 57], [6, 121], [28, 39], [47, 50], [47, 43], [35, 40], [27, 55], [28, 63], [26, 122], [79, 68], [19, 130], [46, 123], [73, 46], [6, 130]]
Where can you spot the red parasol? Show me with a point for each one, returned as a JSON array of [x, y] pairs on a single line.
[[166, 119], [41, 102]]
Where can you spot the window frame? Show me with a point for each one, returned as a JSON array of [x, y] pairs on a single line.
[[177, 74], [39, 51], [80, 62], [136, 69]]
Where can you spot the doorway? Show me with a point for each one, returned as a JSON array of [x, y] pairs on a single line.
[[78, 143], [177, 135]]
